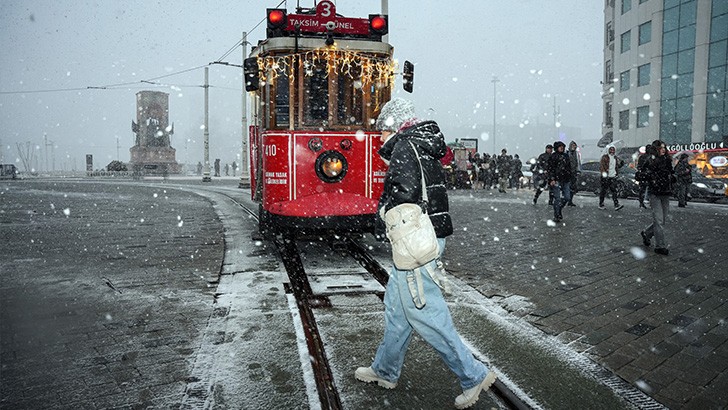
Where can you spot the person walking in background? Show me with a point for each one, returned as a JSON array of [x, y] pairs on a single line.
[[199, 168], [217, 167], [575, 162], [658, 168], [684, 179], [402, 134], [609, 168], [643, 187], [540, 175], [504, 171], [492, 174], [516, 171], [234, 167], [475, 177], [559, 173]]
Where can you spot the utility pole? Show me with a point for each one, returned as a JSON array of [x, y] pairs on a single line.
[[494, 81], [206, 172], [46, 144], [385, 12], [557, 113], [117, 147], [244, 177]]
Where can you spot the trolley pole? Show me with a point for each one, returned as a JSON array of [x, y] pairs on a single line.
[[494, 81], [385, 12], [206, 172], [244, 175]]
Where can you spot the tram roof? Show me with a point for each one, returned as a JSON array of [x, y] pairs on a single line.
[[279, 45]]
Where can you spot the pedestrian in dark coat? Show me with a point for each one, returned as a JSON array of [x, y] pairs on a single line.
[[504, 171], [431, 320], [683, 172], [559, 173], [658, 168], [643, 187], [516, 171], [540, 175], [575, 161]]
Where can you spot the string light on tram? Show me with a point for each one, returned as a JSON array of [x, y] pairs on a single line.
[[349, 63]]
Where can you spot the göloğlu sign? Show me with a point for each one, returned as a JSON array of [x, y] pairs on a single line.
[[696, 146]]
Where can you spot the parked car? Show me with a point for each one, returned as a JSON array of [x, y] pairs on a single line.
[[591, 180], [8, 171], [710, 189]]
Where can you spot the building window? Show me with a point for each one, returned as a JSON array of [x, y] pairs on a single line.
[[624, 120], [626, 40], [643, 116], [643, 75], [645, 33], [626, 6], [608, 73], [624, 81], [608, 115], [610, 32]]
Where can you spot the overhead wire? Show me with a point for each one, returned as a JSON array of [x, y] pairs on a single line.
[[149, 81]]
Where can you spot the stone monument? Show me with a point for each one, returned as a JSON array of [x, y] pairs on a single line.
[[152, 152]]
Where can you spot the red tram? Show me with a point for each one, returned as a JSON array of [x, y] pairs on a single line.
[[318, 83]]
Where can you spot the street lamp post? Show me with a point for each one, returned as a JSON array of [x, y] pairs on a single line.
[[206, 172], [494, 81], [244, 177]]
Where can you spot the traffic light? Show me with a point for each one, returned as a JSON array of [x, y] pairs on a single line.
[[252, 77], [277, 22], [378, 25], [408, 78]]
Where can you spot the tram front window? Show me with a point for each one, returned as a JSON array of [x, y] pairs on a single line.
[[282, 101], [316, 89], [349, 97]]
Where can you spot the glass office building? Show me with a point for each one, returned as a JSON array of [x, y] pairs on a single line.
[[665, 74]]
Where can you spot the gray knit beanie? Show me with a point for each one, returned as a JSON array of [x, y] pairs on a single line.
[[395, 113]]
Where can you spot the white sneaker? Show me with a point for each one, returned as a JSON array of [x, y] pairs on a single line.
[[470, 396], [367, 375]]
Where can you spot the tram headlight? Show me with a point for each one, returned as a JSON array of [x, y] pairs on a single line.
[[331, 166]]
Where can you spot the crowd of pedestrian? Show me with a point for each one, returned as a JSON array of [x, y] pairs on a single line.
[[229, 168], [467, 170]]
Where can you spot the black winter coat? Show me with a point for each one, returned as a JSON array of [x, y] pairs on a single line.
[[402, 183], [559, 167], [660, 174], [683, 171]]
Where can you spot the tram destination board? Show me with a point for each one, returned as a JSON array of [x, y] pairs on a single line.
[[324, 20]]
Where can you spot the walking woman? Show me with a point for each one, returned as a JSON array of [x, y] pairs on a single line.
[[658, 168], [402, 134]]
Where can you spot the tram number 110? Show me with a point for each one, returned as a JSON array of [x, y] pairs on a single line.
[[269, 150]]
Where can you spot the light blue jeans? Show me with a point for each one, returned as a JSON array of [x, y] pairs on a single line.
[[433, 322], [660, 205]]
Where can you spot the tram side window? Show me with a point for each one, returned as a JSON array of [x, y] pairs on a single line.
[[282, 100], [316, 89], [380, 94], [349, 96]]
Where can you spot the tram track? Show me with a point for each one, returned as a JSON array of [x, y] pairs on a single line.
[[307, 301]]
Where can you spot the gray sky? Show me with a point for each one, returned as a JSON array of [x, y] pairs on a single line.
[[538, 50]]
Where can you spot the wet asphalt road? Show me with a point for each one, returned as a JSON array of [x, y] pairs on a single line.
[[120, 281]]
